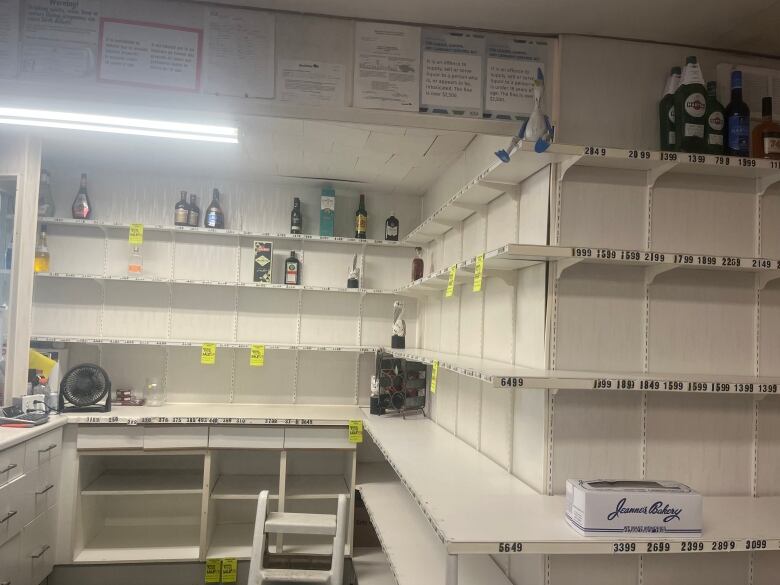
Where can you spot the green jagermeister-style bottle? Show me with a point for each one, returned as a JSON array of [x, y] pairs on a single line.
[[716, 121], [690, 107], [666, 111]]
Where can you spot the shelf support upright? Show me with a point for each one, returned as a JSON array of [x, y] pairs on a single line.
[[451, 577]]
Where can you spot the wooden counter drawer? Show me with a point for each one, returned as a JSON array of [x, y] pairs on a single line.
[[15, 510], [158, 437], [109, 437], [38, 540], [42, 449], [317, 438], [11, 464], [10, 553], [246, 437]]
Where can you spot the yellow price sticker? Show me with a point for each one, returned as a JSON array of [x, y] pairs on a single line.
[[356, 431], [451, 281], [136, 234], [257, 355], [479, 267], [208, 354], [213, 570], [434, 375], [229, 570]]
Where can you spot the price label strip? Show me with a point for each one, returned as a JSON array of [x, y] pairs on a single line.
[[208, 354], [257, 355], [356, 431], [434, 375], [136, 237], [479, 268], [213, 570], [229, 570], [451, 282]]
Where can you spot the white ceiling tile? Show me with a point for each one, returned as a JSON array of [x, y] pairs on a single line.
[[449, 143], [392, 143]]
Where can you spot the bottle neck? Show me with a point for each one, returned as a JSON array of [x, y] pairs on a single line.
[[736, 94]]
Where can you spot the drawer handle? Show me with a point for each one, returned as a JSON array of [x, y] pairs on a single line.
[[6, 470], [44, 490], [8, 516], [44, 548], [47, 449]]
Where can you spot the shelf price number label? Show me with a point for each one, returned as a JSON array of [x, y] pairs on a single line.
[[208, 354], [257, 355], [136, 237], [355, 430], [451, 281], [229, 570], [434, 375], [479, 268], [213, 570]]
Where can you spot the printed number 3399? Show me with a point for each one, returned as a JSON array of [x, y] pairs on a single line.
[[510, 547]]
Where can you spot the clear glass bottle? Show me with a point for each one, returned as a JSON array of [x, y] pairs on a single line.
[[42, 253], [82, 206], [766, 135], [45, 200], [418, 266], [153, 393], [135, 264]]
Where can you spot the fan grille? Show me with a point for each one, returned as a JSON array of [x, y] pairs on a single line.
[[85, 385]]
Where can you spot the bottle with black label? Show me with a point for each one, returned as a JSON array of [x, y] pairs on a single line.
[[690, 106], [82, 207], [737, 120], [716, 121], [391, 228], [292, 269], [361, 219], [193, 219], [214, 217], [666, 111], [296, 217], [181, 213]]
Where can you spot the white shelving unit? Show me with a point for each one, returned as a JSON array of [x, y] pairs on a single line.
[[122, 482]]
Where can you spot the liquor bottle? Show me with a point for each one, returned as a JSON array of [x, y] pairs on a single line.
[[666, 111], [82, 207], [737, 120], [296, 217], [214, 217], [193, 219], [398, 339], [353, 273], [135, 264], [41, 263], [45, 199], [181, 213], [391, 228], [766, 136], [690, 105], [418, 266], [361, 219], [716, 121], [292, 270]]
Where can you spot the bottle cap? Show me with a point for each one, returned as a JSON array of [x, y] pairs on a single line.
[[692, 60], [736, 79], [676, 70], [766, 107], [296, 201]]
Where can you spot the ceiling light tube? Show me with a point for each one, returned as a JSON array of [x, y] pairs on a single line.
[[118, 125]]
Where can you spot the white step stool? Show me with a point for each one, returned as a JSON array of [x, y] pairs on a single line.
[[289, 523]]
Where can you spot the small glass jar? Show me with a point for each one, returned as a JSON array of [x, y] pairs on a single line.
[[154, 393]]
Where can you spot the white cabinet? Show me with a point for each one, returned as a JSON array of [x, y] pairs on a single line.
[[42, 449], [11, 464], [10, 553], [37, 558], [109, 437]]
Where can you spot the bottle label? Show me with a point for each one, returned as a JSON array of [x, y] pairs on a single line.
[[715, 139], [391, 231], [771, 144], [692, 130], [181, 215], [671, 114], [291, 273], [193, 218], [672, 138], [695, 105], [211, 219], [360, 224], [134, 268], [716, 121], [739, 129]]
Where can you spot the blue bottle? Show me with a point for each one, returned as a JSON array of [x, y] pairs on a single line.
[[737, 120]]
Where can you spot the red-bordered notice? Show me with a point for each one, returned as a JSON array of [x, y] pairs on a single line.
[[147, 54]]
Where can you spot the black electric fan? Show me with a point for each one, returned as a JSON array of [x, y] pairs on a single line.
[[85, 388]]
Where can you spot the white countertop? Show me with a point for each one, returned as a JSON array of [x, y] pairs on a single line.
[[12, 436]]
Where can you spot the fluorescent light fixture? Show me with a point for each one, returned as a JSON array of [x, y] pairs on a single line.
[[118, 125]]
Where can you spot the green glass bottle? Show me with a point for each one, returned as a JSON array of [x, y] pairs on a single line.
[[666, 111], [690, 107], [715, 126]]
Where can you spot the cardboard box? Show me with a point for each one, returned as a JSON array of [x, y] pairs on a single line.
[[264, 256], [327, 211], [622, 507]]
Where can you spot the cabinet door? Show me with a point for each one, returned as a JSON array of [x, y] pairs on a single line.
[[45, 485], [38, 548], [15, 510], [109, 437], [42, 449], [11, 464], [10, 554]]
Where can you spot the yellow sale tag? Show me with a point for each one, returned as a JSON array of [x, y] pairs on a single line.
[[208, 354], [478, 268], [136, 234], [213, 570], [451, 281], [434, 375], [229, 570], [356, 431], [257, 355]]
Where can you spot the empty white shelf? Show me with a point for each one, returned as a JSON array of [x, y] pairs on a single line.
[[245, 487], [372, 567], [315, 487], [415, 553], [231, 541], [129, 482], [154, 542]]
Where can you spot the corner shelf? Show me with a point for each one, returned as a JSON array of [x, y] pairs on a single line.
[[129, 544], [139, 482], [503, 510]]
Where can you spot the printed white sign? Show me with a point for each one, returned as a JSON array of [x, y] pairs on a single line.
[[9, 38], [239, 57], [452, 72], [311, 82], [150, 55], [387, 66]]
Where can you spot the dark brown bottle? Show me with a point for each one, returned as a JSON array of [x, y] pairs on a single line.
[[194, 215], [361, 219], [418, 266], [181, 213], [391, 228], [292, 269], [214, 217]]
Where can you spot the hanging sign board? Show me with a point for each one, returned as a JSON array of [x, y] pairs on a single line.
[[479, 267], [136, 237], [229, 570], [356, 431], [311, 82], [149, 55], [213, 570], [208, 354], [434, 376], [452, 72], [451, 281], [257, 355]]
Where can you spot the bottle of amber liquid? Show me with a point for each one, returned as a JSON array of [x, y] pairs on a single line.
[[41, 263], [766, 136], [418, 266]]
